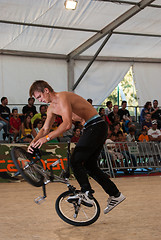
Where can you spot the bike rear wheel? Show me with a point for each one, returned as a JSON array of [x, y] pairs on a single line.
[[66, 211], [22, 161]]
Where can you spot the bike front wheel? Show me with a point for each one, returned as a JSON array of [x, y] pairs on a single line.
[[22, 161], [67, 211]]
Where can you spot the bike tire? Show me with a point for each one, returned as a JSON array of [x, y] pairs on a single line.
[[21, 159], [86, 215]]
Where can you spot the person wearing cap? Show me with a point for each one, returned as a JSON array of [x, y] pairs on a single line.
[[154, 134]]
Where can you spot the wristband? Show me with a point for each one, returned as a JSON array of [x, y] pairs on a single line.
[[47, 138]]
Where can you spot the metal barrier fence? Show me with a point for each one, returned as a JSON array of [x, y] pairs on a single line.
[[130, 155]]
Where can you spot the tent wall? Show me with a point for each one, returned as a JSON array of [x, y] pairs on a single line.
[[100, 80], [18, 73], [148, 83]]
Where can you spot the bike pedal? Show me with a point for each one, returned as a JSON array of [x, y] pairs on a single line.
[[39, 200]]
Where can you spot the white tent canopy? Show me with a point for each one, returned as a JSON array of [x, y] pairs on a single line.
[[42, 40]]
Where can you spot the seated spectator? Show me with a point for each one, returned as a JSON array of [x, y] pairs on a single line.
[[127, 126], [113, 116], [29, 107], [145, 110], [37, 126], [114, 154], [123, 148], [15, 123], [123, 112], [104, 116], [26, 130], [143, 136], [147, 124], [43, 109], [76, 135], [154, 134], [131, 136], [4, 116], [43, 118], [117, 128], [108, 110]]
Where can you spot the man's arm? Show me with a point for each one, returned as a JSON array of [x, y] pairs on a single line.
[[66, 113]]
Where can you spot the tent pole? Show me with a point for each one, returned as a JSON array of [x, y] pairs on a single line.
[[92, 60], [70, 63]]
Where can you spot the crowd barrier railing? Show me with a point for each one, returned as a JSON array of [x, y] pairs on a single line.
[[130, 155]]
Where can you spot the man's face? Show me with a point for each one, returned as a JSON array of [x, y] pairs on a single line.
[[31, 101], [124, 105], [5, 101], [110, 106], [154, 126], [155, 104], [42, 96], [148, 117], [115, 109]]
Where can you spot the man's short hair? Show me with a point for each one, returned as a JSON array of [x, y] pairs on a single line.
[[124, 102], [108, 103], [31, 98], [39, 85], [3, 98]]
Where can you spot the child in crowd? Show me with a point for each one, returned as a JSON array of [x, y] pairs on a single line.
[[76, 135], [15, 123], [143, 136], [115, 155], [37, 126], [131, 136]]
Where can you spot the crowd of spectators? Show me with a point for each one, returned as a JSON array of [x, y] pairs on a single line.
[[23, 127]]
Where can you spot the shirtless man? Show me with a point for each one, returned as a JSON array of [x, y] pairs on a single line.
[[84, 158]]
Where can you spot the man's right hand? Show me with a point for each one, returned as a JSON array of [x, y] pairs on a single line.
[[30, 148]]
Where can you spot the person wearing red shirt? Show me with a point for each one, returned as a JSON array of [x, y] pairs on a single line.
[[15, 123], [76, 136]]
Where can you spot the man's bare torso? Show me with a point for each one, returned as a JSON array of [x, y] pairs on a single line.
[[73, 103]]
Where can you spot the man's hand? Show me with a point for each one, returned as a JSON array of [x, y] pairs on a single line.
[[39, 142], [30, 149]]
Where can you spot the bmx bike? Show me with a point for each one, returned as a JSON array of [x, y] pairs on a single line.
[[31, 169]]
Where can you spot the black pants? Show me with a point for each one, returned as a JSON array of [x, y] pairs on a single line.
[[85, 155]]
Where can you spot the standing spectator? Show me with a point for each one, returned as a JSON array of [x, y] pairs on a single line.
[[76, 135], [114, 114], [90, 100], [143, 136], [123, 112], [154, 134], [4, 116], [147, 124], [15, 123], [156, 113], [108, 110], [147, 109], [103, 115], [43, 109], [29, 107]]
